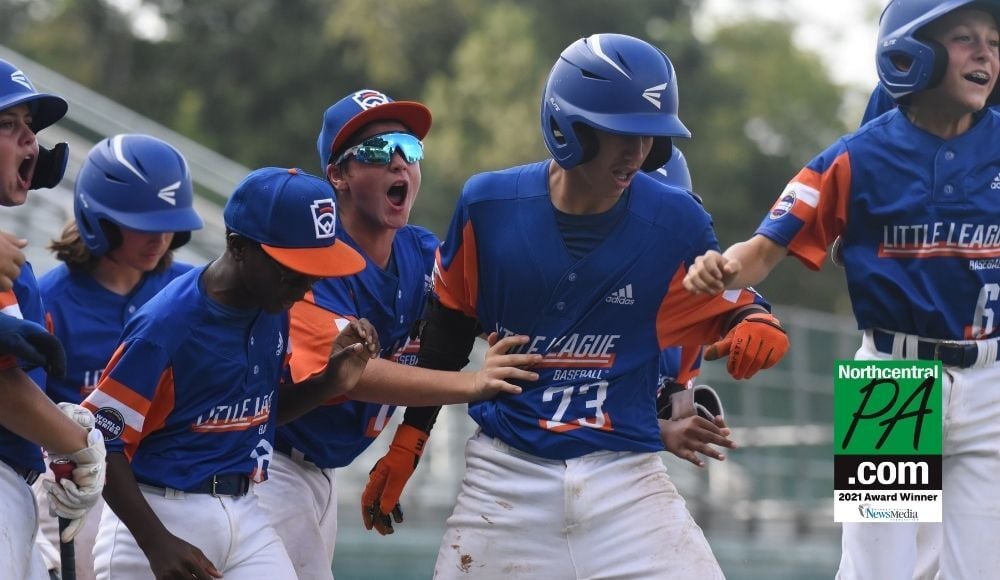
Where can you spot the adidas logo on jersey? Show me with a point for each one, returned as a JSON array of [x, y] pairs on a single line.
[[621, 296], [996, 182]]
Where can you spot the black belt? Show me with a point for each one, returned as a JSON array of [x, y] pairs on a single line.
[[29, 475], [953, 354], [233, 484]]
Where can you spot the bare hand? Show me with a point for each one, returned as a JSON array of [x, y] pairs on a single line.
[[687, 437], [499, 367], [356, 344], [711, 273], [11, 259], [175, 559]]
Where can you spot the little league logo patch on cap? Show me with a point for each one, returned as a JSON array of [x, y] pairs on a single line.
[[368, 99], [324, 215]]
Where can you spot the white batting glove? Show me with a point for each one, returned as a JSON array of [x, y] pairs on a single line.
[[73, 497], [80, 415]]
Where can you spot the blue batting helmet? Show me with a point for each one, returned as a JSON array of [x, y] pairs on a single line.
[[614, 83], [675, 172], [16, 89], [906, 60], [136, 182]]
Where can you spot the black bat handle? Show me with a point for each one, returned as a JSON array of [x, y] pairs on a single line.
[[67, 552]]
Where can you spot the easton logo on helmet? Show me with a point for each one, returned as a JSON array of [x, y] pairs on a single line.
[[20, 78]]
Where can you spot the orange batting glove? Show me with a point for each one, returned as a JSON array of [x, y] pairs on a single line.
[[756, 342], [380, 500]]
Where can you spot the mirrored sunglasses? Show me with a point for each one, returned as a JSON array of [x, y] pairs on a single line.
[[378, 149]]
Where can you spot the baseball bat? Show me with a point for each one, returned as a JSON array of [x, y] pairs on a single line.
[[67, 553]]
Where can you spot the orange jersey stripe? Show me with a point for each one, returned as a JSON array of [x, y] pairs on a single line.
[[7, 298], [825, 214], [313, 330], [458, 286], [689, 357], [688, 319]]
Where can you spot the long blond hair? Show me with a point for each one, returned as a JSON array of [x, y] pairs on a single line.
[[72, 250]]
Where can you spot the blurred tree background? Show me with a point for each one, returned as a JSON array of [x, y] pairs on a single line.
[[251, 80]]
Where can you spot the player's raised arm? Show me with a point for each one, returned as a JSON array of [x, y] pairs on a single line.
[[743, 264], [355, 347], [386, 382]]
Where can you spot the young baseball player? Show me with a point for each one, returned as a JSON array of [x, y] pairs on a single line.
[[186, 401], [370, 149], [912, 196], [133, 206], [685, 437], [27, 417], [584, 253]]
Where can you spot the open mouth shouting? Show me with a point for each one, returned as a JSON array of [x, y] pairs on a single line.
[[25, 171], [397, 194]]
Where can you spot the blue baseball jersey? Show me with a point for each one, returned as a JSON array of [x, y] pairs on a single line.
[[333, 434], [600, 322], [22, 301], [190, 392], [919, 220], [88, 319]]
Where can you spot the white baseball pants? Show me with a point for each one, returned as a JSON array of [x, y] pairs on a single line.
[[300, 500], [604, 515], [19, 556], [232, 532]]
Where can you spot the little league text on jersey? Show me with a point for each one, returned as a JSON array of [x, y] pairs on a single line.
[[940, 239], [240, 415]]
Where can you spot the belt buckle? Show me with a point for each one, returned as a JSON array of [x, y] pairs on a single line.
[[949, 344], [215, 483], [30, 476]]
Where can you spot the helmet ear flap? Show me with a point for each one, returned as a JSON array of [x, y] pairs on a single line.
[[113, 235], [91, 230], [587, 138], [940, 62], [659, 154]]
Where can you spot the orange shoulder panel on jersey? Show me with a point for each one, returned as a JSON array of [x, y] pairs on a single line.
[[458, 285], [689, 368], [160, 408], [313, 330], [8, 306], [7, 299], [140, 415], [821, 203], [686, 319]]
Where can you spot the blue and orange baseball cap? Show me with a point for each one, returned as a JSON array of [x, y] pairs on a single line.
[[360, 108], [294, 218]]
